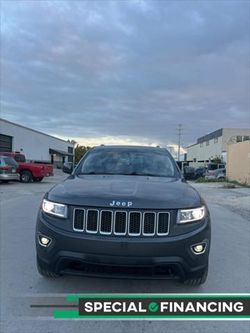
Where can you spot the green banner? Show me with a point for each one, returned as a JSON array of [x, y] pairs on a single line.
[[157, 306]]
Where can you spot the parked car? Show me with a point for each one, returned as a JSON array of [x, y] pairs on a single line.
[[200, 172], [215, 166], [124, 212], [189, 172], [67, 167], [216, 174], [8, 169], [30, 171]]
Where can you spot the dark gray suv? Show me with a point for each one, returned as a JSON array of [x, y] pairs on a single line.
[[124, 211]]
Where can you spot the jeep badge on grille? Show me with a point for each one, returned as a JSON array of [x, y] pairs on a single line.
[[121, 203]]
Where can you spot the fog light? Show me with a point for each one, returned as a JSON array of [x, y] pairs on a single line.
[[44, 241], [199, 248]]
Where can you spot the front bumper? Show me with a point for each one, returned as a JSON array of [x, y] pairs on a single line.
[[113, 256], [48, 174]]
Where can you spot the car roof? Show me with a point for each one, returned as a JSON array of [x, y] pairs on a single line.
[[128, 147], [6, 156], [4, 153]]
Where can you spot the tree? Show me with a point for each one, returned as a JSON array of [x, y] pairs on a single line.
[[80, 151], [72, 141], [216, 159]]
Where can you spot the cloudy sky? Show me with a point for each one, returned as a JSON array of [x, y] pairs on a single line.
[[125, 71]]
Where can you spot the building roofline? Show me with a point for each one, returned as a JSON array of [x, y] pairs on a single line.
[[33, 130], [215, 134], [194, 144]]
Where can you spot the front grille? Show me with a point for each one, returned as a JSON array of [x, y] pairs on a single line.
[[79, 219], [106, 222], [92, 221], [149, 224], [134, 223], [163, 225], [121, 222]]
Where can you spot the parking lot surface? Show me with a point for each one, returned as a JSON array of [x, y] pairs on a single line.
[[21, 284]]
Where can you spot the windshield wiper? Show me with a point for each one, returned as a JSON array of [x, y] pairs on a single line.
[[143, 174], [94, 173], [87, 173], [123, 174]]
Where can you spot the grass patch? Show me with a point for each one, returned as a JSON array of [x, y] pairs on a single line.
[[228, 183], [203, 180], [236, 183]]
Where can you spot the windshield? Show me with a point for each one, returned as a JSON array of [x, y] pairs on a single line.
[[128, 162], [9, 161]]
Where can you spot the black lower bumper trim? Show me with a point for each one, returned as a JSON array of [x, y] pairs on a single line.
[[167, 271]]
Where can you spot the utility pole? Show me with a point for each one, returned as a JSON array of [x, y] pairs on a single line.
[[179, 133]]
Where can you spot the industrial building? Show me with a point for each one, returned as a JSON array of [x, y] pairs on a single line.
[[35, 145], [215, 145]]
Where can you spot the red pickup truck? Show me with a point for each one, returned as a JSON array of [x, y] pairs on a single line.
[[30, 171]]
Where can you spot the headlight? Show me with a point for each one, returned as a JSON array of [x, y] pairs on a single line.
[[54, 208], [191, 215]]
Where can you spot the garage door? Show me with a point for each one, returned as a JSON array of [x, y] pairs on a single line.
[[5, 142]]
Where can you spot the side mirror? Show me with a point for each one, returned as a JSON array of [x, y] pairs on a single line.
[[67, 167]]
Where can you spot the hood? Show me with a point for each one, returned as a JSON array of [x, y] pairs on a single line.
[[125, 191]]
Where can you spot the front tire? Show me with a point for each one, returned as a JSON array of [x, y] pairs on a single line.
[[26, 176], [44, 271]]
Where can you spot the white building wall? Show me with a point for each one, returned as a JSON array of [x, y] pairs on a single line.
[[216, 147], [202, 151], [34, 145]]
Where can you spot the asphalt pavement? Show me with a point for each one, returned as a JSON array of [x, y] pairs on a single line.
[[21, 284]]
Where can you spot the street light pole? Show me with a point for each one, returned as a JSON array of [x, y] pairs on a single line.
[[179, 132]]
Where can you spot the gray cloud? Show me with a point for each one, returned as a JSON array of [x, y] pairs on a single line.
[[126, 68]]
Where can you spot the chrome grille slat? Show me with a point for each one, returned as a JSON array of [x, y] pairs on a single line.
[[120, 222], [120, 219], [162, 228], [149, 223], [92, 221], [106, 222], [134, 226], [78, 219]]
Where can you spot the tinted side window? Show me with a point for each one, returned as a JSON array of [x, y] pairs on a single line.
[[9, 161], [20, 158], [212, 167]]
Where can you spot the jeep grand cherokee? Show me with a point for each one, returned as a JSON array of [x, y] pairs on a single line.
[[124, 212]]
